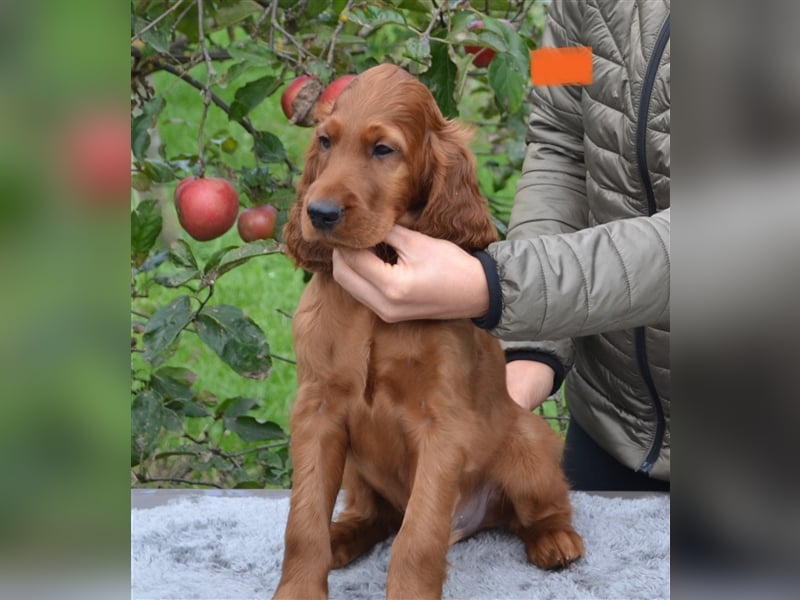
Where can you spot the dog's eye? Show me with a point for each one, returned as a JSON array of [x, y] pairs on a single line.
[[381, 150], [324, 142]]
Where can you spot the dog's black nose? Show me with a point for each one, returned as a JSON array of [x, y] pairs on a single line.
[[324, 215]]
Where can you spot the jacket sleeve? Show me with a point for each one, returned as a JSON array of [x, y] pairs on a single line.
[[605, 278], [551, 192]]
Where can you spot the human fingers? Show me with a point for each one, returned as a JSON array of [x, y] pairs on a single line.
[[400, 236], [361, 264], [352, 279], [406, 242]]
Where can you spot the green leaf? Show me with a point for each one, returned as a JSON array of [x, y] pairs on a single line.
[[235, 71], [375, 16], [182, 375], [231, 408], [146, 224], [314, 8], [215, 257], [181, 255], [155, 36], [177, 395], [251, 430], [418, 49], [269, 148], [508, 84], [158, 170], [178, 278], [253, 54], [225, 16], [236, 339], [441, 79], [251, 95], [188, 408], [147, 417], [164, 327], [231, 257], [284, 199], [351, 40], [248, 485], [141, 124], [414, 6], [172, 420]]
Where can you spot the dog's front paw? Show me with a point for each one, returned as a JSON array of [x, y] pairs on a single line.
[[555, 549]]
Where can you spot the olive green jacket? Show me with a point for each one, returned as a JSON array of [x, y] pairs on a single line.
[[585, 270]]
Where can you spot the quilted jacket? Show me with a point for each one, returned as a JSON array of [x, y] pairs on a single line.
[[582, 281]]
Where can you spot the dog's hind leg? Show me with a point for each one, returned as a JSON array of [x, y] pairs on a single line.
[[366, 520], [534, 483]]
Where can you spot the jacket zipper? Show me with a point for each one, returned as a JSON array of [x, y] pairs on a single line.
[[641, 156]]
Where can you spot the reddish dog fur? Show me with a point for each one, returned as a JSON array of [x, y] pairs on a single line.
[[413, 418]]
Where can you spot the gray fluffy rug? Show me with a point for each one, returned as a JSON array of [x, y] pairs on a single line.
[[231, 548]]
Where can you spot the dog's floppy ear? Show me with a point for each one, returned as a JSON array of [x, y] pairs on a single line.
[[455, 209], [311, 257]]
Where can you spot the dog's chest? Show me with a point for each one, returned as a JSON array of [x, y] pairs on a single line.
[[393, 410]]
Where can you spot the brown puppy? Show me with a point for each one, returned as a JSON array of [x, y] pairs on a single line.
[[413, 418]]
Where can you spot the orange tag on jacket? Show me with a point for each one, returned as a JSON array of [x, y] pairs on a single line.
[[562, 66]]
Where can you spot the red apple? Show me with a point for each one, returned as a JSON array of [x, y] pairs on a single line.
[[483, 56], [257, 223], [299, 99], [331, 93], [207, 206], [335, 87], [182, 184]]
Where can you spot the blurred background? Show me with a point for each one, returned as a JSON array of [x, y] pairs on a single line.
[[735, 293], [63, 300]]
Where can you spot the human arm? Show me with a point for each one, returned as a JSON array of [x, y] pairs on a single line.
[[605, 278], [550, 199]]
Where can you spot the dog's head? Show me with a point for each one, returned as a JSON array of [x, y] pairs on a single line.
[[383, 155]]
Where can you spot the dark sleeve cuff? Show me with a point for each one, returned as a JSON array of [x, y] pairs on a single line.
[[492, 316], [548, 359]]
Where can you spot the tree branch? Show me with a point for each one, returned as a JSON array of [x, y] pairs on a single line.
[[210, 72], [302, 51], [155, 21], [283, 359], [436, 16], [244, 121], [259, 448], [146, 479], [216, 451], [180, 73], [336, 32]]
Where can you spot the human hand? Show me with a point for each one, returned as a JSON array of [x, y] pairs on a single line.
[[529, 382], [432, 279]]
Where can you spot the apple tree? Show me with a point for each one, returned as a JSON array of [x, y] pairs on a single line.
[[255, 70]]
